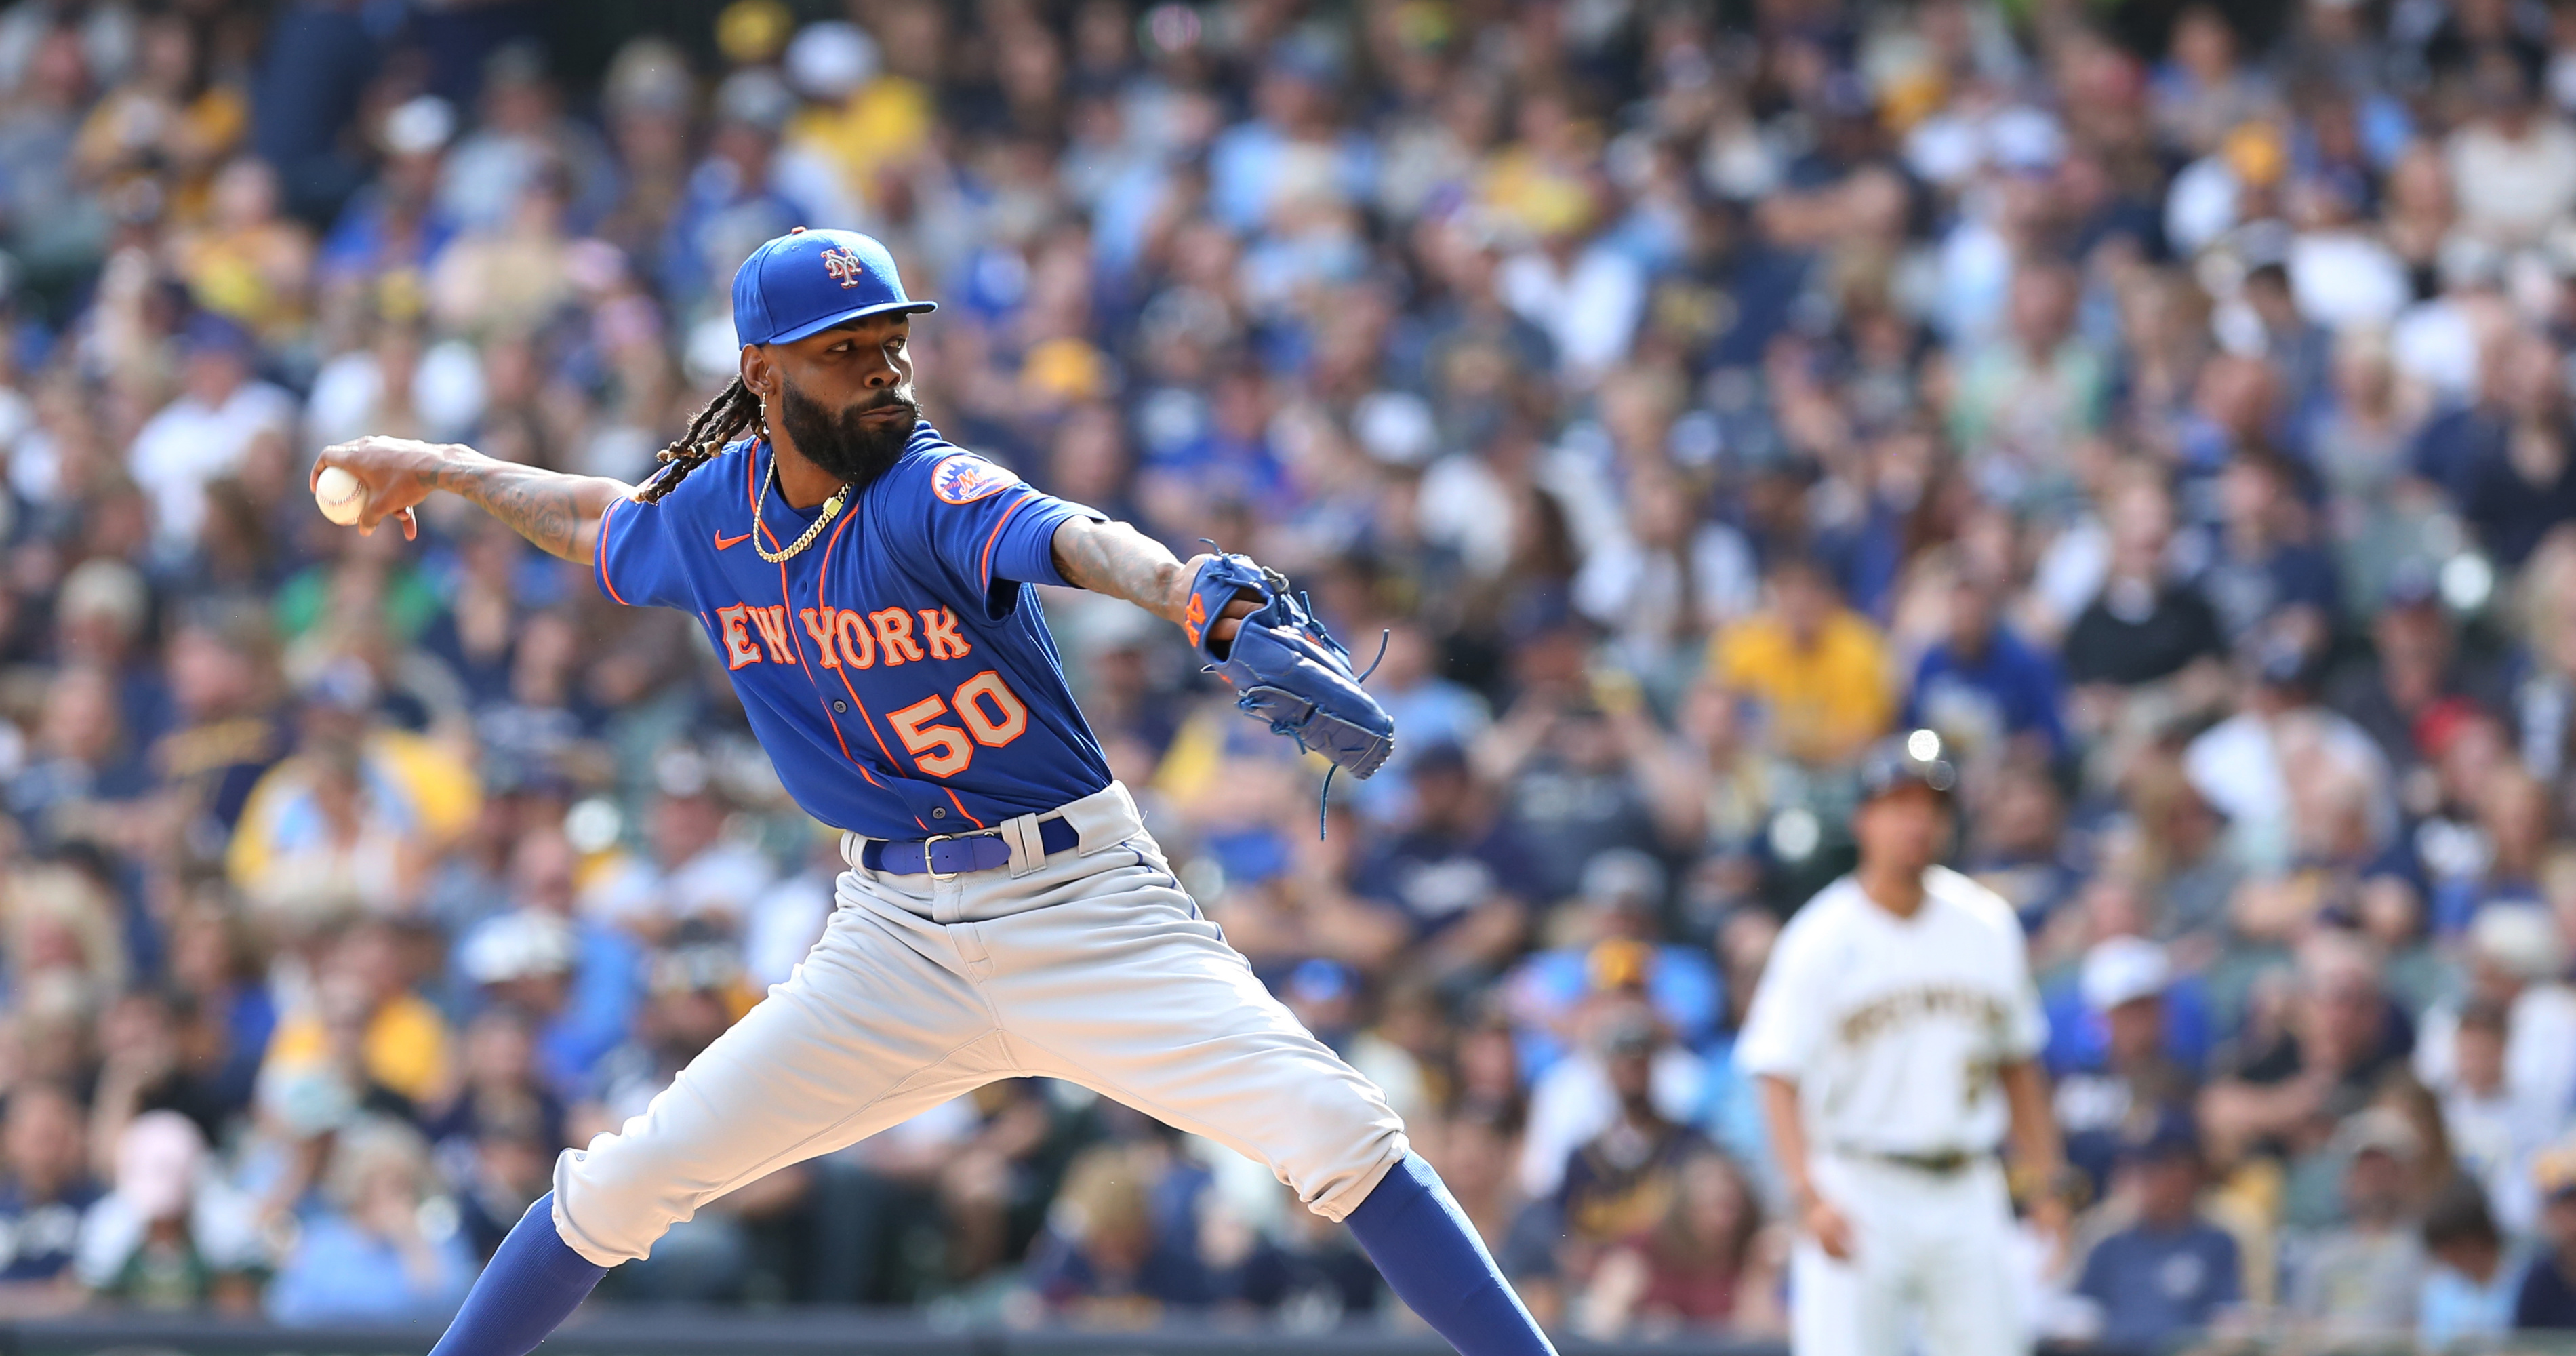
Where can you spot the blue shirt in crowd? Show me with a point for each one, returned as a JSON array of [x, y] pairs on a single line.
[[2454, 1308], [2154, 1284], [2546, 1301], [37, 1238], [2008, 690], [339, 1273]]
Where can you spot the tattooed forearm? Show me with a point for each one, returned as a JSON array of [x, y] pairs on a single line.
[[1118, 560], [557, 513]]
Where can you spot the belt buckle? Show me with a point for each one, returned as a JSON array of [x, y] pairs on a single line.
[[935, 873]]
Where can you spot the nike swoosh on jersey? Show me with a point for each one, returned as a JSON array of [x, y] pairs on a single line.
[[723, 541]]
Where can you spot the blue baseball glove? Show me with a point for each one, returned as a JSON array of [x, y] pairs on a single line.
[[1286, 668]]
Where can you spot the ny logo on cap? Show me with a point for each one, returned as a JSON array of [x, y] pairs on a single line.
[[844, 267]]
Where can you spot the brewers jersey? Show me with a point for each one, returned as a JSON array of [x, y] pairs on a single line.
[[897, 671], [1893, 1028]]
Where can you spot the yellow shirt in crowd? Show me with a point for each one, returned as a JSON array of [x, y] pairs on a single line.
[[1824, 701], [884, 123], [405, 1047]]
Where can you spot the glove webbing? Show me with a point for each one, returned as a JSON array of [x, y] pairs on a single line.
[[1324, 800], [1303, 614]]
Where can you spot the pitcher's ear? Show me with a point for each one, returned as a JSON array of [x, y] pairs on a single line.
[[759, 374]]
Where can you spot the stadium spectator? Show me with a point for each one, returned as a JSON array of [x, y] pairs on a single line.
[[377, 1251], [2169, 1274], [2121, 1059], [47, 1190], [2493, 1133], [206, 432], [2469, 1286], [2315, 1064], [2516, 962], [1613, 1183], [1457, 879], [169, 1235], [1981, 686], [1110, 1256], [2367, 1274], [694, 874], [2546, 1300], [2143, 627], [1710, 1261], [1818, 672], [577, 980]]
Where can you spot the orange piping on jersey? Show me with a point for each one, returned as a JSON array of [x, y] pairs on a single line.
[[961, 809], [872, 729], [824, 575], [987, 566], [869, 720], [599, 553], [837, 736], [797, 647]]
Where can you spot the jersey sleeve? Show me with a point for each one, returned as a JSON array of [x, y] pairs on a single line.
[[636, 561], [1786, 1022], [991, 531]]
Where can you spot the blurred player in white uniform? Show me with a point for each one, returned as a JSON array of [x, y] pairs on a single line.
[[1894, 1034]]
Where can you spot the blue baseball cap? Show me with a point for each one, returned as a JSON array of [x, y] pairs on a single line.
[[805, 282]]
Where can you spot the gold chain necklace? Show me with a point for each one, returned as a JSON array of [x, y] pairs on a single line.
[[831, 509]]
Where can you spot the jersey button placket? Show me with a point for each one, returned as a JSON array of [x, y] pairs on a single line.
[[840, 707]]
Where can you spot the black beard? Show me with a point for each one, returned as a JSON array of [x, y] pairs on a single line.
[[854, 450]]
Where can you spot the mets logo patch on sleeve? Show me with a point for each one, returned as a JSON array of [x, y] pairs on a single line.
[[964, 478]]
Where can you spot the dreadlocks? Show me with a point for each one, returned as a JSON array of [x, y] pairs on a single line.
[[735, 411]]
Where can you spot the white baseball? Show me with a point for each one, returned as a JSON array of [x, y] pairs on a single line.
[[343, 496]]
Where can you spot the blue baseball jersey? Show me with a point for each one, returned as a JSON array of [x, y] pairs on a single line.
[[898, 670]]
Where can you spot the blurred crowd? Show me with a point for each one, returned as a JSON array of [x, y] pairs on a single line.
[[2167, 404]]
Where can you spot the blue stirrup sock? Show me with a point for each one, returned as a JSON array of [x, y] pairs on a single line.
[[1430, 1255], [534, 1281]]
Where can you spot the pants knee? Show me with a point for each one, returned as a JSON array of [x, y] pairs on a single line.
[[1348, 1139], [615, 1199]]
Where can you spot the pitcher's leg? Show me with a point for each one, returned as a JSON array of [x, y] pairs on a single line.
[[1132, 996], [1128, 992], [533, 1282], [869, 1032], [1424, 1246], [872, 1029]]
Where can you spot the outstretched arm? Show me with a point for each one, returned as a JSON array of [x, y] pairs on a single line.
[[558, 513], [1118, 560]]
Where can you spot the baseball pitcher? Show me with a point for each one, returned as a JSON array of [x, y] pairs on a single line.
[[1005, 913]]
